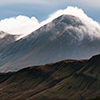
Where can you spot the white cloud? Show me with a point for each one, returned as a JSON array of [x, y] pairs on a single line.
[[25, 25], [89, 22], [19, 25]]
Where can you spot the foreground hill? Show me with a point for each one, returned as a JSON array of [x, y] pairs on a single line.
[[96, 98], [64, 80]]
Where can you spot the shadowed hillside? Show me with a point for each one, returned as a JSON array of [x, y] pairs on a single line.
[[97, 98], [64, 80]]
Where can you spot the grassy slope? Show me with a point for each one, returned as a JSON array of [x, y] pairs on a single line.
[[65, 80]]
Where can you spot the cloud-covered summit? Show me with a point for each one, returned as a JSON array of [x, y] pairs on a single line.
[[25, 25]]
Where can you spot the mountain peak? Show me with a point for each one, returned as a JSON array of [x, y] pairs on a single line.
[[69, 20], [24, 25]]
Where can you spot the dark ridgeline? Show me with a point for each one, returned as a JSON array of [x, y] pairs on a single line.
[[64, 80]]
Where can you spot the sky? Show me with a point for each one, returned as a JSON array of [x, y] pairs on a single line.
[[36, 11], [41, 9]]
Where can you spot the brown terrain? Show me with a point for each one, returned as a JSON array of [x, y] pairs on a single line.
[[64, 80]]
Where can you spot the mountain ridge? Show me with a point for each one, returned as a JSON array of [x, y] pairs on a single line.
[[57, 81]]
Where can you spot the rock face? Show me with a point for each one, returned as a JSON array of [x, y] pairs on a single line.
[[64, 80], [66, 37]]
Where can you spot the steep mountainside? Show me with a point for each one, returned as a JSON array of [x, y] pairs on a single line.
[[64, 80], [66, 37], [6, 38]]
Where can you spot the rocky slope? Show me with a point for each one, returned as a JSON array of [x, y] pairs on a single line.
[[66, 37]]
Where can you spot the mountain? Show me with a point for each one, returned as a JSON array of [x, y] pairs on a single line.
[[6, 38], [64, 80], [66, 37]]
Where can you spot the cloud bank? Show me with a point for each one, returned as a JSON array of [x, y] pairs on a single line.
[[25, 25], [19, 25], [89, 22]]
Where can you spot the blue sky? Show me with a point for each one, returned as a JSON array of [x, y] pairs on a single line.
[[41, 9]]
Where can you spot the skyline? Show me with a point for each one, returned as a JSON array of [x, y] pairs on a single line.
[[41, 9]]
